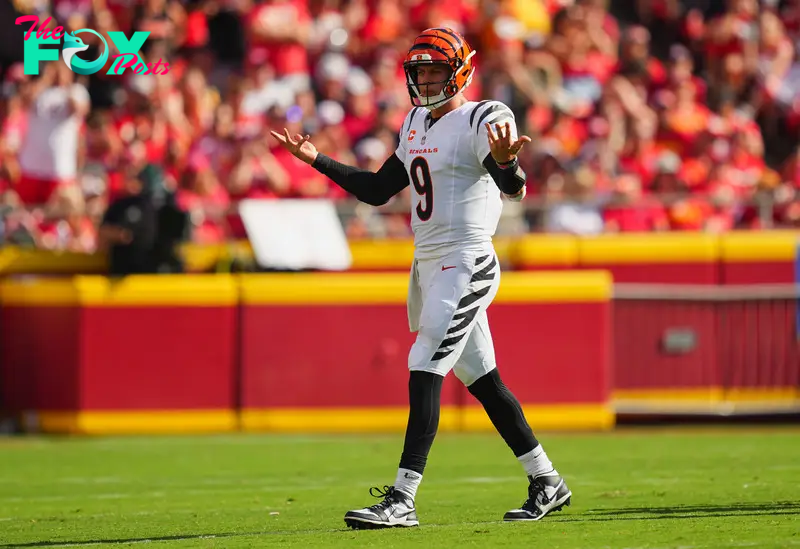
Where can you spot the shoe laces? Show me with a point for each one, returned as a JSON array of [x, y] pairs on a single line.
[[536, 494], [387, 492]]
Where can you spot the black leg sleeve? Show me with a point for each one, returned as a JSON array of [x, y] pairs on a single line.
[[424, 392], [504, 410]]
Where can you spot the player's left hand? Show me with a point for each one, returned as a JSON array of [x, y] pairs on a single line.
[[502, 145]]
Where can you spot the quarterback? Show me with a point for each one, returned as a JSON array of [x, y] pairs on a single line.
[[459, 157]]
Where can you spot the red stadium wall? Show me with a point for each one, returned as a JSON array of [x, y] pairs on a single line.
[[647, 258], [327, 353], [723, 350], [342, 364], [87, 355], [759, 257], [283, 353], [670, 258], [219, 353], [662, 258]]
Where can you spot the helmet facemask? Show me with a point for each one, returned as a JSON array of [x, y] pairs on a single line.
[[449, 86]]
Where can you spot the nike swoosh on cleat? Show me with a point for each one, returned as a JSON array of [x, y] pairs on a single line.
[[446, 268], [552, 498], [401, 515], [558, 487]]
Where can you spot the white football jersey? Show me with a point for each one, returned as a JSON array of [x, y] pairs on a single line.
[[455, 204]]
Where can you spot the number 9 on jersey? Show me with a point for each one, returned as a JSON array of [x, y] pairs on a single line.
[[423, 185]]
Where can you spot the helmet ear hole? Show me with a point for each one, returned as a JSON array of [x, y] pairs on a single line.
[[450, 90]]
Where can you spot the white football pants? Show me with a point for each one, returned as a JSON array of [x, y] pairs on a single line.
[[447, 302]]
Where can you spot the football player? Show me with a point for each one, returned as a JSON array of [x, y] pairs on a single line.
[[460, 157]]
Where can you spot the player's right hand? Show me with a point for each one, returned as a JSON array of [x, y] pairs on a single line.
[[300, 146]]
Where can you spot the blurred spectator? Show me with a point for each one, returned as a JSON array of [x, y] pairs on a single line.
[[68, 226], [128, 230], [48, 156], [19, 226], [140, 230], [576, 210], [629, 210]]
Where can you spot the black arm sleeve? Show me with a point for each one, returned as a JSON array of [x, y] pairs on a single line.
[[373, 188], [510, 180]]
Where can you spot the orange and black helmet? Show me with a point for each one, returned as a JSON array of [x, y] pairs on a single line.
[[439, 45]]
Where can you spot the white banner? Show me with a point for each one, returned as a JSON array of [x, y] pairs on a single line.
[[296, 234]]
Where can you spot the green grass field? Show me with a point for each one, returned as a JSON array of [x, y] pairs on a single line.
[[722, 487]]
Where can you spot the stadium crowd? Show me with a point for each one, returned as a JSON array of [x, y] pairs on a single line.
[[646, 115]]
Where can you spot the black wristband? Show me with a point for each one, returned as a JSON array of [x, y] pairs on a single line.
[[509, 165]]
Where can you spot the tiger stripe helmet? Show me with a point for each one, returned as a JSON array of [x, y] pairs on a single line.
[[439, 45]]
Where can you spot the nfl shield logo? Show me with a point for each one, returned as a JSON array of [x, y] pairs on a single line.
[[423, 139]]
